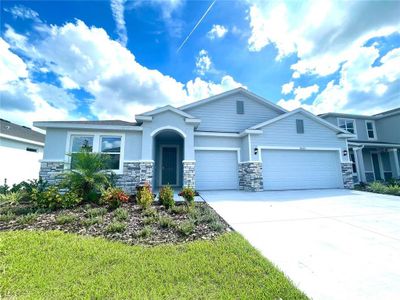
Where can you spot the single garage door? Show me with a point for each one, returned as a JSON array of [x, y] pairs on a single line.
[[296, 169], [216, 170]]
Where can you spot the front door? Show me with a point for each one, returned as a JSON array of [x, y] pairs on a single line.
[[376, 166], [169, 162]]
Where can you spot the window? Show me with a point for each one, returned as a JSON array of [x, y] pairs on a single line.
[[80, 143], [300, 126], [31, 149], [370, 129], [111, 146], [240, 107], [107, 145], [347, 124]]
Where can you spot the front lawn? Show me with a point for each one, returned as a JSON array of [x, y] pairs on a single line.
[[55, 265]]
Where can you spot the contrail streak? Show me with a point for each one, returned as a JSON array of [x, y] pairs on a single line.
[[197, 24]]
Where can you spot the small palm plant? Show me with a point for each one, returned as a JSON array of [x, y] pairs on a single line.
[[87, 176]]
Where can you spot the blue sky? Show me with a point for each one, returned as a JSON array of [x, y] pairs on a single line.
[[113, 59]]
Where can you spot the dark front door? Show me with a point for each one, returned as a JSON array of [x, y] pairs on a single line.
[[376, 166], [169, 161]]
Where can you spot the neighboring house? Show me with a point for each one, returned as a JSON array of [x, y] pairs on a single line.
[[235, 140], [374, 150], [21, 150]]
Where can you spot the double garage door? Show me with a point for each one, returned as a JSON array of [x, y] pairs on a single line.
[[282, 169], [301, 169]]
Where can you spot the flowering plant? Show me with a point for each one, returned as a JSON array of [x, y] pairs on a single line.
[[114, 197], [188, 194]]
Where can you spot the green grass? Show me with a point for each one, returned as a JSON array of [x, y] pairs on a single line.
[[55, 265]]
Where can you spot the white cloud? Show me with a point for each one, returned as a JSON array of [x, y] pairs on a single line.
[[118, 9], [23, 12], [203, 62], [217, 31], [68, 83], [303, 93], [327, 37], [12, 66], [287, 88], [86, 57]]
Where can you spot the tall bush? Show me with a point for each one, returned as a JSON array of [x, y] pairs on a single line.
[[167, 196], [87, 178], [144, 195]]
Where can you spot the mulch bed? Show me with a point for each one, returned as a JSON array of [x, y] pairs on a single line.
[[204, 226]]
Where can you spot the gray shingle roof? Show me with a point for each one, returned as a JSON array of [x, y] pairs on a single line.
[[15, 130], [97, 122]]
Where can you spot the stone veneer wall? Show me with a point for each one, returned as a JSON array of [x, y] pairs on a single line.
[[347, 173], [189, 174], [250, 176], [49, 171], [135, 173]]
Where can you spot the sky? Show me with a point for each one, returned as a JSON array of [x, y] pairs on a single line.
[[89, 60]]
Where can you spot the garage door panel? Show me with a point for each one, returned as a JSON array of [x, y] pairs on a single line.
[[216, 170], [295, 169]]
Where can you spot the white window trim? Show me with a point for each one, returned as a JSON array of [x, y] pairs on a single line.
[[373, 128], [354, 125], [96, 146]]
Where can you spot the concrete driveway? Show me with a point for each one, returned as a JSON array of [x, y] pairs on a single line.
[[333, 244]]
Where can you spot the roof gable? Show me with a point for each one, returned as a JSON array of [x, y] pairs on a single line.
[[239, 90], [305, 113], [167, 108]]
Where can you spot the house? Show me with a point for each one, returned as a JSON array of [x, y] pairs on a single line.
[[374, 149], [235, 140], [21, 148]]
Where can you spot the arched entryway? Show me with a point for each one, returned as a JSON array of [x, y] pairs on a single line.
[[168, 154]]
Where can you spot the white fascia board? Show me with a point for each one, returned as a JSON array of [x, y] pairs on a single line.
[[142, 118], [373, 144], [14, 138], [44, 125], [231, 92], [250, 131], [346, 135], [216, 134], [168, 108], [192, 121]]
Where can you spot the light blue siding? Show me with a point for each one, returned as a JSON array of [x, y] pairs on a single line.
[[133, 145], [389, 129], [220, 115], [283, 134], [211, 141], [55, 144]]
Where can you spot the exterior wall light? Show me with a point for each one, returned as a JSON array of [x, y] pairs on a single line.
[[255, 151], [344, 152]]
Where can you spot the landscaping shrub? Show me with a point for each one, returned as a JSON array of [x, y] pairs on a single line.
[[66, 219], [188, 194], [7, 217], [115, 227], [144, 196], [393, 189], [377, 187], [179, 210], [121, 214], [145, 232], [87, 176], [186, 228], [27, 219], [114, 197], [167, 196], [150, 220], [96, 212], [166, 222], [216, 226], [150, 212], [53, 199], [11, 198], [92, 221]]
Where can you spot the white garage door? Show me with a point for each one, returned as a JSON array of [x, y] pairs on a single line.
[[216, 170], [296, 169]]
